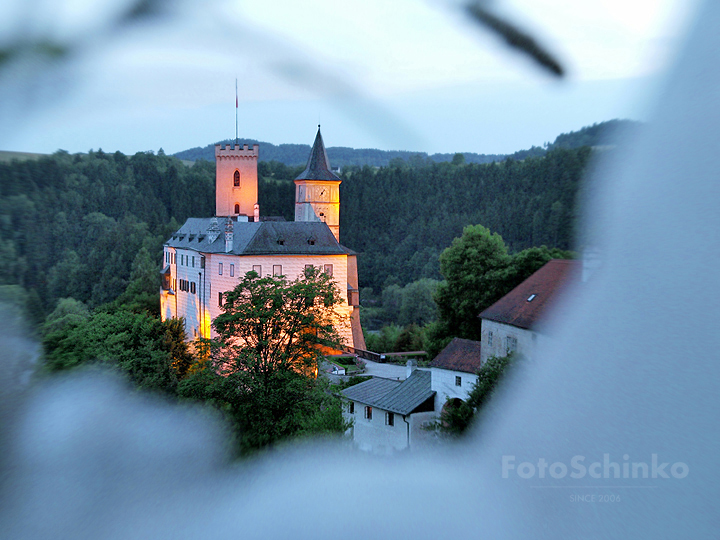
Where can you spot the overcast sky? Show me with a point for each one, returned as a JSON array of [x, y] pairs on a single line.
[[400, 74]]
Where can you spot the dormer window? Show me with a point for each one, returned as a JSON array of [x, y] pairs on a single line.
[[311, 241], [236, 180]]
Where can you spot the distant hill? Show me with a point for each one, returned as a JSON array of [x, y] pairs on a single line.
[[340, 156], [602, 134], [6, 156], [292, 155]]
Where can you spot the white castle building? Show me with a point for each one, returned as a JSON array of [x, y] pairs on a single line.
[[209, 256]]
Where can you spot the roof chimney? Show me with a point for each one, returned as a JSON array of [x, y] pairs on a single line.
[[256, 213], [228, 235], [411, 366], [214, 230]]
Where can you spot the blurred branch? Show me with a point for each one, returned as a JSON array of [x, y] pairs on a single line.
[[514, 37]]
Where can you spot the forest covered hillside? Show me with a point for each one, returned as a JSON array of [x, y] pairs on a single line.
[[91, 226]]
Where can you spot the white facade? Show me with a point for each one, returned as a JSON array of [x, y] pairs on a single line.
[[377, 436], [210, 274], [450, 384], [499, 339]]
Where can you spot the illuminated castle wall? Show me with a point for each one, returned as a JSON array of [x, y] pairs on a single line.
[[208, 256]]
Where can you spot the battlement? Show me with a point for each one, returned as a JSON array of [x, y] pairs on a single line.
[[231, 151]]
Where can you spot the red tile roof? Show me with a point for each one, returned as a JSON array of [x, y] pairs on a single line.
[[525, 305], [459, 355]]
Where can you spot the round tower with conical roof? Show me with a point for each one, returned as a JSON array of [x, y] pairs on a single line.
[[317, 190]]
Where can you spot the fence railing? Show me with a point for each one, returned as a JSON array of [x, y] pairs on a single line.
[[365, 355]]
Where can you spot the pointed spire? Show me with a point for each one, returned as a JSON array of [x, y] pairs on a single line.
[[318, 165]]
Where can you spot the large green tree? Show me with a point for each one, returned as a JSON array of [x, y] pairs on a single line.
[[478, 271], [261, 369], [474, 268], [153, 354]]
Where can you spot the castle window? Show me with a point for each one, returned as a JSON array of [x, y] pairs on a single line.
[[368, 412], [277, 269], [193, 261], [328, 269], [220, 269], [220, 299], [236, 180], [351, 407], [257, 269], [237, 208], [232, 270], [308, 269], [389, 419], [458, 381], [510, 344], [192, 287], [490, 339]]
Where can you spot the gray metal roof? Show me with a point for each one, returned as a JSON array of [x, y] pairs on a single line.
[[318, 165], [370, 391], [257, 238], [397, 397]]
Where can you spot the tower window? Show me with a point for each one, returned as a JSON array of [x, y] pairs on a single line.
[[237, 208], [236, 179]]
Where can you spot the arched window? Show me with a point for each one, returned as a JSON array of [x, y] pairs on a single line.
[[237, 208], [236, 179]]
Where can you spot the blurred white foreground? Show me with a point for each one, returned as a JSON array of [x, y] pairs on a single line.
[[634, 373]]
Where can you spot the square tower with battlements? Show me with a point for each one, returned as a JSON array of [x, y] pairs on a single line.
[[236, 180]]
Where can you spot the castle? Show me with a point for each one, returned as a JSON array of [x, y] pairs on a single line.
[[208, 256]]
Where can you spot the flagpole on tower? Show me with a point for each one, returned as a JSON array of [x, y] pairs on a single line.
[[236, 112]]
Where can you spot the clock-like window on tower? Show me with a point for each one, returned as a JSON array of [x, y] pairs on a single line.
[[236, 179], [237, 208]]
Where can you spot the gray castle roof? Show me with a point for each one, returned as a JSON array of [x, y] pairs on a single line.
[[397, 397], [318, 165], [258, 238]]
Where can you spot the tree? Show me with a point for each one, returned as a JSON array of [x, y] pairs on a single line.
[[270, 323], [418, 306], [478, 271], [153, 354], [473, 267], [262, 366]]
